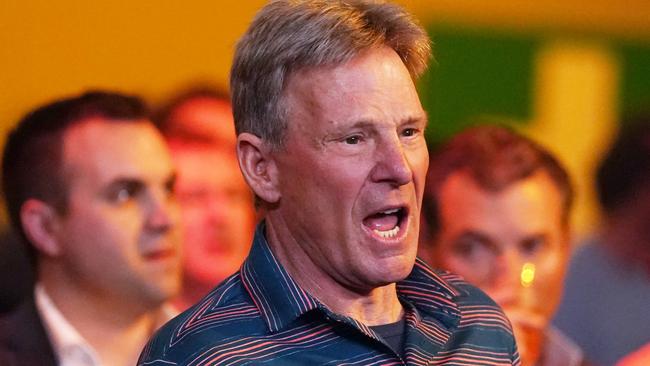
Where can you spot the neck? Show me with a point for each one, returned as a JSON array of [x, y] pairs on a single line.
[[121, 345], [115, 328], [372, 306]]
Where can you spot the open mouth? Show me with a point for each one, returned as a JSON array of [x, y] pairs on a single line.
[[387, 224]]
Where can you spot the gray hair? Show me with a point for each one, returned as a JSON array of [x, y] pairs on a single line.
[[290, 35]]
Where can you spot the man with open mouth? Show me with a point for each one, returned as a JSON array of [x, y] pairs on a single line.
[[331, 141]]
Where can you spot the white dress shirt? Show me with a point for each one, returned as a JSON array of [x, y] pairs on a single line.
[[69, 346]]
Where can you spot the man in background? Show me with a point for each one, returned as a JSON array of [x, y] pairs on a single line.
[[496, 211], [218, 217], [88, 183]]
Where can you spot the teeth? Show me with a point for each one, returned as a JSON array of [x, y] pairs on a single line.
[[395, 210], [388, 233]]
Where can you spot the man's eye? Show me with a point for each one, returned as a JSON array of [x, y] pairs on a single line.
[[467, 248], [475, 249], [124, 194], [409, 132], [533, 245], [352, 140]]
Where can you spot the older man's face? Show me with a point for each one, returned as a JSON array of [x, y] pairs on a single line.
[[352, 171]]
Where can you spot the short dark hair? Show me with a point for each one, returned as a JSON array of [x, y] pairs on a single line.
[[32, 158], [291, 35], [495, 157], [625, 169]]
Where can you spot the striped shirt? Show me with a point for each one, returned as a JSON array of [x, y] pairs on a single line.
[[261, 316]]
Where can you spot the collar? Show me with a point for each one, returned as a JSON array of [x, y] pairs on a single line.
[[276, 295], [280, 300], [430, 293], [69, 346]]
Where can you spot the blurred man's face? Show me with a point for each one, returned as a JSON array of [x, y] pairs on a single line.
[[352, 170], [217, 212], [119, 237], [512, 244]]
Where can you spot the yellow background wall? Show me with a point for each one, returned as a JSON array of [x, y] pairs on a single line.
[[52, 48]]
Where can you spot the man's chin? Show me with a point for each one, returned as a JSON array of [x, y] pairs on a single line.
[[161, 293], [394, 270]]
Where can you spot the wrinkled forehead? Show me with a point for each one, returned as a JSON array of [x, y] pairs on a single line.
[[373, 86]]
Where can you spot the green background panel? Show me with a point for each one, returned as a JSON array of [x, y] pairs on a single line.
[[476, 74], [635, 80]]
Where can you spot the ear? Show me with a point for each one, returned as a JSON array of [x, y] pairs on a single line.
[[258, 167], [39, 221]]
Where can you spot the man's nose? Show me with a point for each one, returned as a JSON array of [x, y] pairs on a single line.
[[163, 211], [505, 276], [392, 164]]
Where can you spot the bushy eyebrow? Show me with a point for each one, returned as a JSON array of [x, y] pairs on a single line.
[[139, 184], [423, 120], [474, 235], [478, 236], [371, 124], [534, 236], [135, 184]]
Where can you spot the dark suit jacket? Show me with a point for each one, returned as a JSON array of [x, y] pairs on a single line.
[[23, 340]]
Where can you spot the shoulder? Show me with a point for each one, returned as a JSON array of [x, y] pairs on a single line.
[[468, 294], [225, 313], [23, 340], [442, 292], [476, 307], [482, 326], [23, 318], [474, 322]]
